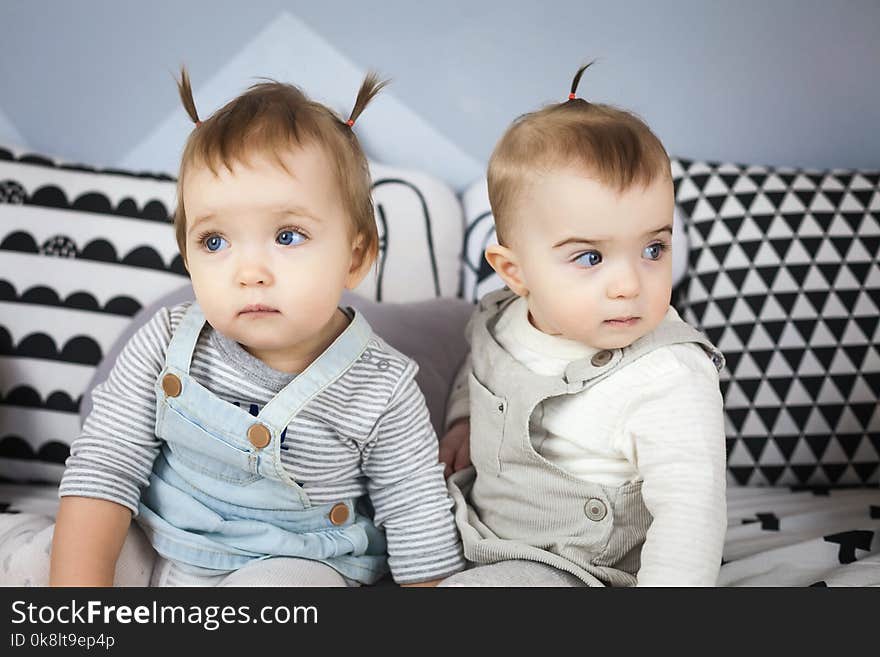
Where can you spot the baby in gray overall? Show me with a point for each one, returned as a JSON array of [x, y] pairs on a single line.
[[596, 426], [261, 436]]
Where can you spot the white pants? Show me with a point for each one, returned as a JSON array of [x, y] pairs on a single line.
[[26, 547], [515, 572]]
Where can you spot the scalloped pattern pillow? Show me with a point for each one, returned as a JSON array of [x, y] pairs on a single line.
[[83, 250]]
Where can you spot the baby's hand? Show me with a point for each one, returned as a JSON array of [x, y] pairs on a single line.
[[455, 447]]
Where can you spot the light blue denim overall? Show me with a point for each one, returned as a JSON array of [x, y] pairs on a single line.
[[217, 499]]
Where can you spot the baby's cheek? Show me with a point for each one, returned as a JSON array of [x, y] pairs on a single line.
[[215, 305], [653, 318]]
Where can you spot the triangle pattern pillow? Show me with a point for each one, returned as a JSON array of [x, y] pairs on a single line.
[[783, 276]]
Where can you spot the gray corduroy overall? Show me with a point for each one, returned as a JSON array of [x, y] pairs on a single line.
[[513, 503]]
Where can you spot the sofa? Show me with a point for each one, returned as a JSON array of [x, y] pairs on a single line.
[[777, 266]]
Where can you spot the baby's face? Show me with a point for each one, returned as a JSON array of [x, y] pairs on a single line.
[[270, 252], [597, 264]]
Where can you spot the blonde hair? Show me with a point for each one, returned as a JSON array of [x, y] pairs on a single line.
[[611, 144], [270, 118]]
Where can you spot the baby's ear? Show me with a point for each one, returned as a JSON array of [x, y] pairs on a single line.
[[506, 264], [361, 261]]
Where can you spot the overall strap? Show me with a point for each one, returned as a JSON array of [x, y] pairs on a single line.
[[671, 331], [183, 342], [497, 299], [675, 331], [323, 371]]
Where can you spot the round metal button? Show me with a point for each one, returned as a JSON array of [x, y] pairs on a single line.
[[171, 385], [338, 514], [601, 358], [595, 509], [259, 435]]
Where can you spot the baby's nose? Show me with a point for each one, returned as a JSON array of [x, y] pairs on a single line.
[[253, 273], [625, 283]]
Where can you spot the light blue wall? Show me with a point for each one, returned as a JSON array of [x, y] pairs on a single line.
[[780, 82]]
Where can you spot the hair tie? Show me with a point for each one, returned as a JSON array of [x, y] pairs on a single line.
[[571, 96], [350, 123], [198, 124]]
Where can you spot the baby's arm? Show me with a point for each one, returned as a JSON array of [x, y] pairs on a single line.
[[110, 463], [674, 435], [407, 490], [89, 534], [458, 405], [455, 444]]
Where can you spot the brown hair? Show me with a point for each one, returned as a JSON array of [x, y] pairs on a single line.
[[270, 118], [613, 145]]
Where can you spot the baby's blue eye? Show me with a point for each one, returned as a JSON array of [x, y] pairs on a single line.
[[215, 243], [654, 251], [589, 259], [290, 237]]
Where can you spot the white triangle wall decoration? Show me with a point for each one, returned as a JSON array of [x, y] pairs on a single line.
[[288, 50]]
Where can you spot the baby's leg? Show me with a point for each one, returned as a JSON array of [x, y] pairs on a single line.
[[26, 548], [278, 571], [286, 571], [168, 573], [515, 572]]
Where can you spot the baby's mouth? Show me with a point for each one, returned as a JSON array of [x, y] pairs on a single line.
[[622, 321], [257, 309]]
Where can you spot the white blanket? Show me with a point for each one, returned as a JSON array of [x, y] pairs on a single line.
[[775, 537]]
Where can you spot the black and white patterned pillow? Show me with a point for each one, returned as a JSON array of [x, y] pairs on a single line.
[[421, 227], [477, 277], [82, 251], [783, 277]]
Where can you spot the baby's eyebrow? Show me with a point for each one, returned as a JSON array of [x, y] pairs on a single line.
[[198, 221], [587, 240], [297, 211], [280, 211], [665, 229], [576, 240]]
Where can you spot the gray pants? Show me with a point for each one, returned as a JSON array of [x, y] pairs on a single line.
[[26, 547], [516, 572]]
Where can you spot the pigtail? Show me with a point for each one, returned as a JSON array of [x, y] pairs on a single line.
[[577, 78], [186, 96], [369, 88]]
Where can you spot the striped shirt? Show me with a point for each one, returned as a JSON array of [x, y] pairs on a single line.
[[368, 432]]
